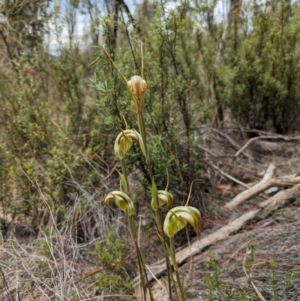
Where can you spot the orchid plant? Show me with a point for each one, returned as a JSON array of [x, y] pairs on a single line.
[[177, 217]]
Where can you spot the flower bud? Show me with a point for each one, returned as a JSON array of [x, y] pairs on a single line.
[[178, 217], [137, 87], [122, 200]]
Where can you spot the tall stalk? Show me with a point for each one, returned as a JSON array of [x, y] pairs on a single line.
[[176, 218], [157, 210], [175, 265], [133, 230]]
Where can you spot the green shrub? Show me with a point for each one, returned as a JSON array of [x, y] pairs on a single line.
[[259, 77]]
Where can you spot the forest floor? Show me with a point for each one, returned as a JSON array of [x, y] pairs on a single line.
[[266, 245], [258, 236]]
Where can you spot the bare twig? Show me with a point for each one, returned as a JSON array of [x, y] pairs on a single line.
[[250, 278], [265, 137], [229, 176], [234, 143], [6, 285]]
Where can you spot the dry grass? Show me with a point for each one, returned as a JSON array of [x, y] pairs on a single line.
[[57, 262]]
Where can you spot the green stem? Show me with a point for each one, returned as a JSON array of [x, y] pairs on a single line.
[[132, 224], [161, 233], [124, 171], [175, 265], [159, 224], [141, 262], [141, 124]]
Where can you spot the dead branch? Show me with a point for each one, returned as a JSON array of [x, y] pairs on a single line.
[[265, 137], [254, 190], [229, 176], [235, 144], [264, 184], [281, 198]]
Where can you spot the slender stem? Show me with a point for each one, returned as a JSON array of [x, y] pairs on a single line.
[[132, 224], [166, 253], [124, 171], [141, 262], [159, 224], [141, 258], [134, 237], [141, 124], [175, 265]]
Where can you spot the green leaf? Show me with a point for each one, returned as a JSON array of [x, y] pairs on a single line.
[[154, 193], [123, 181]]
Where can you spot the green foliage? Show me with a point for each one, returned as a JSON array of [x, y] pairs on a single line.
[[212, 281], [216, 290], [273, 281], [48, 136], [162, 159], [111, 254], [115, 282], [259, 77], [174, 92], [290, 284]]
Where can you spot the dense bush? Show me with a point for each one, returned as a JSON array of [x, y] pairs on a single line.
[[259, 77]]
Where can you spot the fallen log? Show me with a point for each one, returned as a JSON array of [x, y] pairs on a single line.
[[285, 138], [254, 190], [266, 183]]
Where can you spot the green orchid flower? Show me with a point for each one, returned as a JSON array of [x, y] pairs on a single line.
[[124, 142], [122, 200], [163, 198], [178, 217]]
